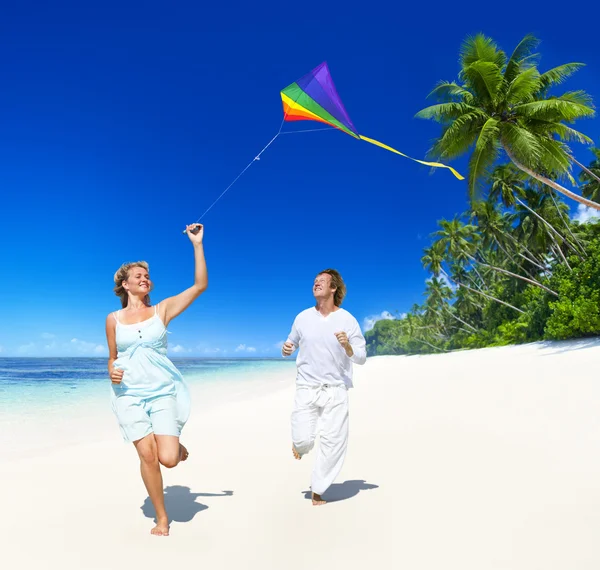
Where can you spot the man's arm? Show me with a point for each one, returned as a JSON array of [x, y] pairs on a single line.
[[292, 342], [357, 344]]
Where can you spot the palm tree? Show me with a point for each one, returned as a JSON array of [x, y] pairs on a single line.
[[591, 178], [433, 260], [504, 104], [535, 215], [460, 241], [496, 229], [438, 294], [508, 186]]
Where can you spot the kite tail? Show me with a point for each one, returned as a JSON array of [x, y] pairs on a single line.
[[434, 164]]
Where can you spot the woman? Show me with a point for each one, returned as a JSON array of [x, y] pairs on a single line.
[[149, 396]]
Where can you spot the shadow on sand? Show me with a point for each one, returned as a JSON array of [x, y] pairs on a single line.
[[181, 503], [556, 347], [343, 491]]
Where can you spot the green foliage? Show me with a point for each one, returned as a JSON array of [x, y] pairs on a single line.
[[576, 313], [505, 103], [514, 268]]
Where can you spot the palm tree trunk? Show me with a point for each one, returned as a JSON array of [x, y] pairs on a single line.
[[429, 344], [581, 250], [585, 169], [531, 257], [555, 185], [516, 276], [459, 319], [461, 329], [549, 225], [482, 293], [506, 252]]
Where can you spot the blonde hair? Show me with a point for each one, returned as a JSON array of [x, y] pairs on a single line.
[[338, 284], [121, 275]]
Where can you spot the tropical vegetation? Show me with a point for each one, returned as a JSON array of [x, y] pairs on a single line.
[[514, 267]]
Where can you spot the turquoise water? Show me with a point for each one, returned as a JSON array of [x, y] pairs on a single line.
[[33, 383]]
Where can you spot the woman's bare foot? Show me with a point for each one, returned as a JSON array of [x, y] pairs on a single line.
[[316, 499], [183, 452], [296, 454], [161, 528]]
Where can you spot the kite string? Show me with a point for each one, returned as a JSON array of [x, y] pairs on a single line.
[[257, 157]]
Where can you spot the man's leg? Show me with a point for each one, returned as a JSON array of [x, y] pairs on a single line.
[[333, 442], [304, 422]]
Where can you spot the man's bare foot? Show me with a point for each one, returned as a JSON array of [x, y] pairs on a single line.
[[296, 454], [161, 528], [183, 452], [316, 499]]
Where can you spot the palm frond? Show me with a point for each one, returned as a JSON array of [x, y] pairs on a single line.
[[555, 157], [484, 155], [578, 97], [522, 143], [449, 91], [481, 48], [559, 74], [554, 110], [551, 127], [521, 54], [445, 112], [524, 86], [485, 78], [458, 137]]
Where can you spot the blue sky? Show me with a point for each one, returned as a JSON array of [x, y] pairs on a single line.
[[120, 123]]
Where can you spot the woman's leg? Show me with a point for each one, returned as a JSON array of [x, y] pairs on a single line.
[[163, 415], [170, 451], [149, 466]]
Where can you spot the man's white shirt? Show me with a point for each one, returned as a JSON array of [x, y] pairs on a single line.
[[321, 358]]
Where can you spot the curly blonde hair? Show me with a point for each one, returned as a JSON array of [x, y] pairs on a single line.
[[121, 275], [338, 284]]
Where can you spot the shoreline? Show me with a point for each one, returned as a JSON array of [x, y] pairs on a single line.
[[468, 460]]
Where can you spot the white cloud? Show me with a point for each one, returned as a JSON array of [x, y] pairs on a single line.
[[212, 350], [244, 348], [74, 347], [178, 348], [48, 336], [585, 214], [369, 322], [279, 345], [26, 348], [83, 347]]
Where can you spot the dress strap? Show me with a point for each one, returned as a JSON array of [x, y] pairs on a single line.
[[116, 317], [156, 309]]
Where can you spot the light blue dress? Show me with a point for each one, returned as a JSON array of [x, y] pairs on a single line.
[[153, 396]]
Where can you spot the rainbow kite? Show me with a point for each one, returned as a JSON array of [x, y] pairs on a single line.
[[315, 98]]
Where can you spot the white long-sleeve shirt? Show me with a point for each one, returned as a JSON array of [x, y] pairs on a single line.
[[321, 358]]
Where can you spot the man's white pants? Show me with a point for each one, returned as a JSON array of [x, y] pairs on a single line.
[[322, 410]]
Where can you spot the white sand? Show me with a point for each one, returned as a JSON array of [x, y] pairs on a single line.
[[483, 460]]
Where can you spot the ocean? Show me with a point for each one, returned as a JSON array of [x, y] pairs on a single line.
[[48, 398]]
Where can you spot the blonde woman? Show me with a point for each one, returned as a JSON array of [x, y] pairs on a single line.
[[149, 396]]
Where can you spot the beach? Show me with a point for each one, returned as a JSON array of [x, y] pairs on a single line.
[[485, 460]]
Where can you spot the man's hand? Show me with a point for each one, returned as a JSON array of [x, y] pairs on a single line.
[[343, 340], [287, 348]]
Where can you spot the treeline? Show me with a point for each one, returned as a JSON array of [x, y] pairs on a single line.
[[514, 268]]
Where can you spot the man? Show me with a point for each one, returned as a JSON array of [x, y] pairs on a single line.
[[330, 340]]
